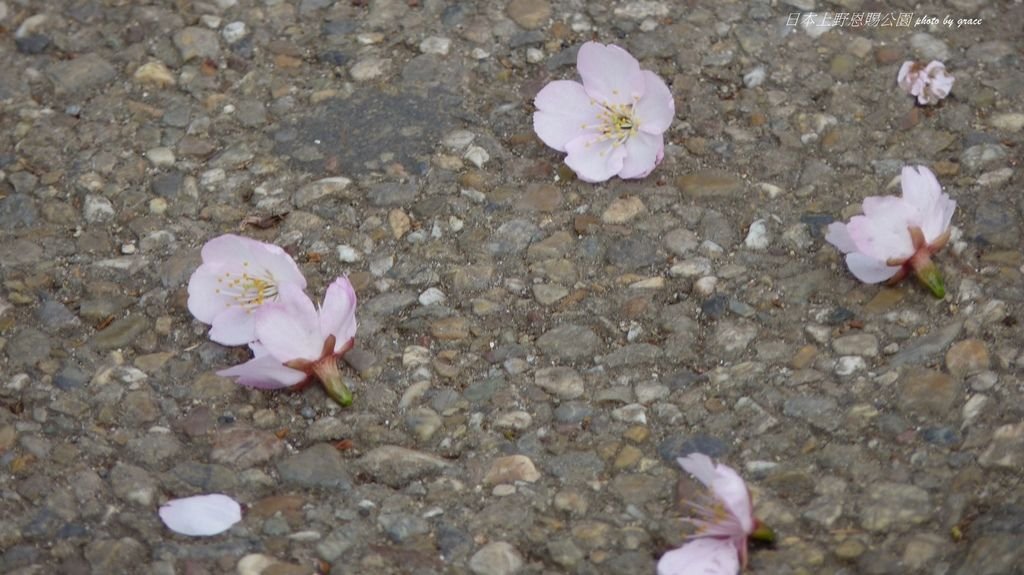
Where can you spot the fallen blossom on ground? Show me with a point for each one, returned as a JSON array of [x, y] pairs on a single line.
[[237, 277], [201, 515], [898, 235], [724, 518], [295, 341], [929, 83], [612, 123]]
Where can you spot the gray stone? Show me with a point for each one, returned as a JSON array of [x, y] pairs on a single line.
[[123, 555], [924, 348], [819, 411], [1006, 449], [133, 484], [569, 342], [863, 344], [397, 466], [79, 76], [392, 194], [195, 42], [242, 447], [632, 253], [28, 347], [121, 333], [401, 526], [496, 558], [513, 237], [894, 507], [996, 224], [562, 382]]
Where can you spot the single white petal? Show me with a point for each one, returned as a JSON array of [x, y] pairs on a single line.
[[838, 236], [904, 76], [643, 152], [234, 326], [338, 313], [565, 112], [920, 187], [290, 328], [264, 372], [610, 74], [202, 515], [706, 556], [656, 109], [700, 466], [594, 160], [868, 269], [204, 301]]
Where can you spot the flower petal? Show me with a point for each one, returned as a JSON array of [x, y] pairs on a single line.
[[204, 302], [202, 515], [885, 235], [903, 77], [868, 269], [643, 152], [700, 466], [706, 556], [338, 313], [233, 326], [730, 488], [264, 372], [564, 112], [610, 74], [838, 236], [656, 109], [593, 159], [920, 187], [290, 328]]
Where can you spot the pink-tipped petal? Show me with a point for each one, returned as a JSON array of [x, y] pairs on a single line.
[[276, 263], [730, 488], [868, 269], [656, 109], [838, 236], [228, 248], [264, 372], [643, 152], [594, 160], [290, 328], [707, 556], [564, 112], [610, 74], [202, 515], [338, 313], [233, 326]]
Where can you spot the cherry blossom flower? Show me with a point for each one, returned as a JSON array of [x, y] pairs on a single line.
[[612, 123], [724, 518], [898, 235], [201, 515], [296, 341], [238, 276], [929, 83]]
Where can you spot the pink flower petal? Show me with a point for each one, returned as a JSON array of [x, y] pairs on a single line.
[[643, 152], [338, 313], [868, 269], [610, 74], [883, 236], [290, 328], [656, 109], [726, 485], [903, 78], [202, 515], [920, 187], [233, 326], [838, 236], [264, 372], [706, 556], [203, 300], [564, 112], [593, 159]]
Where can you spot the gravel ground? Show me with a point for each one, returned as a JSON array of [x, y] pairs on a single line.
[[534, 352]]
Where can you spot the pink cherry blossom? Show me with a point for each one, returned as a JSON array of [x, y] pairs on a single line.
[[201, 515], [612, 123], [295, 341], [724, 518], [898, 235], [238, 276], [928, 83]]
